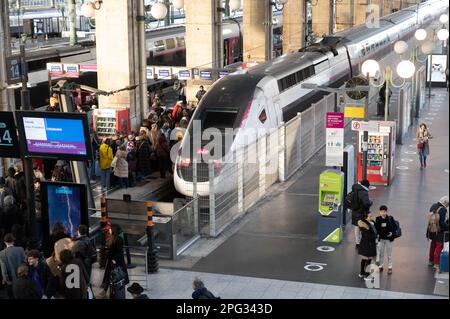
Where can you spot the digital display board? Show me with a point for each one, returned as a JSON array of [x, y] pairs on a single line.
[[64, 203], [54, 135]]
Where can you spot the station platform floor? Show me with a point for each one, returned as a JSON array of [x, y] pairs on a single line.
[[278, 237]]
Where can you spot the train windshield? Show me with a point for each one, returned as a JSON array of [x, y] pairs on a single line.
[[220, 119]]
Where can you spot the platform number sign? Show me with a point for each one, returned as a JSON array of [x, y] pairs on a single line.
[[9, 146], [14, 70]]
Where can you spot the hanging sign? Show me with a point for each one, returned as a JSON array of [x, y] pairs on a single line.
[[71, 71], [55, 69]]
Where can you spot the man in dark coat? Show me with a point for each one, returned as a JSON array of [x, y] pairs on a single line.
[[10, 259], [364, 204], [143, 156], [84, 248], [41, 274], [23, 287]]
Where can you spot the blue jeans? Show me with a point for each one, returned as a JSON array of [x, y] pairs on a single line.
[[123, 182], [105, 176], [423, 155]]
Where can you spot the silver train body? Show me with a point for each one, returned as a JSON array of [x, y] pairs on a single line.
[[272, 91]]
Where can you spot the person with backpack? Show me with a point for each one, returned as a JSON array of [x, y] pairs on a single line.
[[387, 230], [84, 249], [437, 227], [359, 202], [200, 291]]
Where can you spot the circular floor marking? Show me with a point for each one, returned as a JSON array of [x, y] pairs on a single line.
[[372, 188], [403, 168], [412, 145], [314, 267], [326, 249], [410, 152], [407, 160]]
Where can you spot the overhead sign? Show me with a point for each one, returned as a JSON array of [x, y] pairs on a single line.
[[150, 73], [9, 146], [71, 70], [355, 112], [88, 67], [55, 69], [335, 139], [223, 73], [13, 70], [206, 75], [183, 74], [163, 72]]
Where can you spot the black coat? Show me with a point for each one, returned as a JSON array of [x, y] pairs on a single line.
[[143, 158], [24, 288], [48, 281], [364, 203], [368, 244], [384, 226], [114, 253], [443, 224], [75, 293], [12, 214]]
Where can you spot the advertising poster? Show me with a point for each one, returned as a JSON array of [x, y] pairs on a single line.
[[335, 140]]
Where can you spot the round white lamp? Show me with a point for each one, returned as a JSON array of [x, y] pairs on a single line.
[[87, 10], [443, 18], [406, 69], [178, 4], [159, 11], [443, 34], [427, 48], [400, 47], [421, 34], [370, 67], [235, 5]]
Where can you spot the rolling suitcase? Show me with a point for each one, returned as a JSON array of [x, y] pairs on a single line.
[[443, 260]]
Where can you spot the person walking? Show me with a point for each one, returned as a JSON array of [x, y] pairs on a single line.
[[115, 262], [41, 274], [368, 245], [386, 228], [10, 259], [121, 168], [360, 205], [437, 227], [200, 93], [423, 137], [84, 249], [106, 158], [23, 286]]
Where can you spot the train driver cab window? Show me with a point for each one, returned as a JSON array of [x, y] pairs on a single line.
[[263, 117], [180, 42], [170, 44]]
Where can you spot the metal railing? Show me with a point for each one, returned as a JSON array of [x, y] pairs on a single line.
[[184, 227]]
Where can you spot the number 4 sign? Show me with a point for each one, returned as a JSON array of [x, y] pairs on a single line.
[[9, 146]]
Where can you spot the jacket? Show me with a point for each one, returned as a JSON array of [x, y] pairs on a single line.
[[48, 281], [25, 289], [10, 259], [424, 138], [364, 203], [143, 158], [203, 293], [20, 187], [11, 215], [121, 169], [384, 227], [443, 224], [106, 156], [74, 293], [368, 244], [115, 253]]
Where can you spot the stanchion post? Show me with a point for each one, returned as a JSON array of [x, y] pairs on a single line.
[[152, 258], [103, 223]]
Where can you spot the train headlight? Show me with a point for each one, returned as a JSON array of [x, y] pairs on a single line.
[[185, 162]]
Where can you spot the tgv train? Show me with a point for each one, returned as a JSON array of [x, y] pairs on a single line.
[[271, 93]]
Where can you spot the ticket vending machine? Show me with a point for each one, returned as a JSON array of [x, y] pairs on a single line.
[[381, 153], [331, 200]]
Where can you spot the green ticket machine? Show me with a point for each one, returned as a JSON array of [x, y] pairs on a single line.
[[331, 200]]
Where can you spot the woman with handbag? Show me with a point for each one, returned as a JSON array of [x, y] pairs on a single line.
[[423, 137], [115, 270]]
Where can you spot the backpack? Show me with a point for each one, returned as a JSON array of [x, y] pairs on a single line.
[[352, 200], [398, 229], [433, 221]]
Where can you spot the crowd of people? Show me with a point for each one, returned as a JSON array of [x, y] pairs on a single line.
[[375, 236]]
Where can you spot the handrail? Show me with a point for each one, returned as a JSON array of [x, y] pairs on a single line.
[[184, 207]]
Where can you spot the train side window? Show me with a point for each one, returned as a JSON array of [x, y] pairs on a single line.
[[170, 44], [263, 117], [180, 42], [159, 46]]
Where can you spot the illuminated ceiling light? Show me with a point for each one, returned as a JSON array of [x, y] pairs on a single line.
[[406, 69], [421, 34], [235, 5], [371, 68], [427, 48], [158, 11], [443, 34], [443, 18], [400, 47]]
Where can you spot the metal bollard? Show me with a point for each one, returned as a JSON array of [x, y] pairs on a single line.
[[103, 223], [152, 258]]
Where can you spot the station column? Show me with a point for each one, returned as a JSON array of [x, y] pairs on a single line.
[[204, 40], [321, 11], [258, 33], [293, 26], [118, 60], [4, 52]]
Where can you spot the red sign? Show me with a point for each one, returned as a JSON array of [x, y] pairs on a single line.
[[335, 120], [88, 68], [356, 126]]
